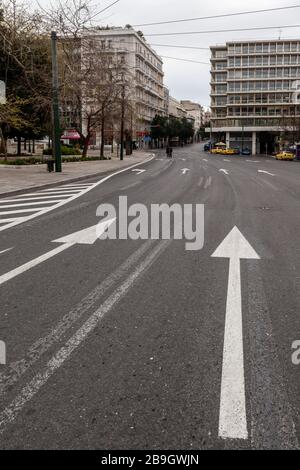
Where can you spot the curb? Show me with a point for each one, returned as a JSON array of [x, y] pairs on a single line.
[[71, 180]]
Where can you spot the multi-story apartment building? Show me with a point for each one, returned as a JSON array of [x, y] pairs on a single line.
[[143, 74], [176, 109], [195, 110], [254, 91]]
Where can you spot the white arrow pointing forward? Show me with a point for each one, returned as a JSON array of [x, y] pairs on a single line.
[[232, 417], [185, 170], [138, 171], [224, 171], [263, 171], [87, 236]]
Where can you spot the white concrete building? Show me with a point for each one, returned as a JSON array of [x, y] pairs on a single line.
[[145, 73], [254, 91]]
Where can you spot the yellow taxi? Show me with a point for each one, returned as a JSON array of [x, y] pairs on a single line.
[[285, 156], [217, 150], [229, 152]]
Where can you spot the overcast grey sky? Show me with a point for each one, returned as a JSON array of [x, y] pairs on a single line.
[[188, 80]]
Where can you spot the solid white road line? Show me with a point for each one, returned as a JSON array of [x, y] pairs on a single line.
[[204, 159], [32, 388], [52, 198], [232, 417], [37, 203], [12, 219], [75, 196], [22, 211], [224, 171], [57, 190], [18, 368], [4, 251]]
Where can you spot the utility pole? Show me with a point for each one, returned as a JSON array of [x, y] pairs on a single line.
[[55, 105], [122, 123]]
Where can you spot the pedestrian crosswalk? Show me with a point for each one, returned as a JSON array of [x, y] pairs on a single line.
[[18, 209]]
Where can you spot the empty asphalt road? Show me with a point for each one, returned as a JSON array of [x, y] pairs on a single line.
[[141, 344]]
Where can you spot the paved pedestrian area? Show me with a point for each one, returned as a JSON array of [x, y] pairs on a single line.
[[18, 178]]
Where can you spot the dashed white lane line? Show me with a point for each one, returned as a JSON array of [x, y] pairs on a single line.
[[200, 181], [266, 172], [11, 411], [208, 182], [58, 192]]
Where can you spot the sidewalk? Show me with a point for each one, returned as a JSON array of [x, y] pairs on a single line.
[[15, 179]]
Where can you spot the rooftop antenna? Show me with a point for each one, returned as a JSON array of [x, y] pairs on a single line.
[[280, 32]]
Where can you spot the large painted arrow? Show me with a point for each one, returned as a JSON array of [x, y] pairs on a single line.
[[88, 236], [232, 417]]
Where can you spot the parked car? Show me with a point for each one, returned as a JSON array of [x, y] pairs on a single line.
[[207, 147], [285, 156], [237, 151], [246, 151]]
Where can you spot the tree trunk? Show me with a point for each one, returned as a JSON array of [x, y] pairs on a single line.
[[19, 150], [102, 137], [85, 146], [3, 145]]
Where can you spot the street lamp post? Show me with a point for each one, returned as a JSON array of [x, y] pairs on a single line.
[[122, 123], [55, 105]]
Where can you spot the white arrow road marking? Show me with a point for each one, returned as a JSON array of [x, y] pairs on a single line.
[[253, 161], [204, 159], [7, 249], [224, 171], [185, 170], [182, 159], [138, 171], [263, 171], [87, 236], [232, 417], [227, 160]]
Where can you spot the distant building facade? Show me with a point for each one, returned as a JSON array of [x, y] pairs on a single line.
[[196, 111]]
